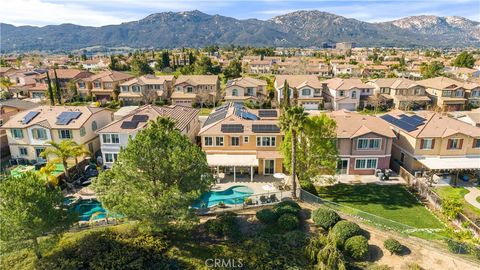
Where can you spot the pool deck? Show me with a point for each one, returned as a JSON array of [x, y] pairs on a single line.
[[257, 187]]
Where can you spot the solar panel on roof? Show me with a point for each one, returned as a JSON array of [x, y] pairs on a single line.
[[129, 125], [262, 128], [399, 123], [223, 107], [267, 113], [215, 117], [232, 128], [238, 105], [29, 117], [245, 114], [65, 117], [140, 118]]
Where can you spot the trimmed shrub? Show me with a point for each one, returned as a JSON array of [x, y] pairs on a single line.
[[325, 218], [213, 227], [285, 203], [356, 247], [344, 230], [393, 246], [457, 247], [295, 239], [267, 216], [225, 225], [288, 222], [285, 207], [475, 251]]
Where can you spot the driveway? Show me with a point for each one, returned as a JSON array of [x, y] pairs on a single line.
[[471, 197]]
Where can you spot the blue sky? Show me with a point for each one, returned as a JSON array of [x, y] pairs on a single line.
[[97, 13]]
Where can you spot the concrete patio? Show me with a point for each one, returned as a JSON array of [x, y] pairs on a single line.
[[366, 179]]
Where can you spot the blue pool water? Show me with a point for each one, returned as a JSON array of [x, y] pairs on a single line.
[[88, 208], [232, 195]]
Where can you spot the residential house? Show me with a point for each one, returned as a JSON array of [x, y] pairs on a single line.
[[102, 85], [348, 94], [445, 93], [97, 63], [433, 141], [364, 143], [240, 142], [29, 131], [245, 88], [189, 89], [8, 108], [115, 135], [472, 93], [405, 94], [64, 76], [259, 67], [7, 71], [469, 117], [463, 73], [307, 87], [146, 89]]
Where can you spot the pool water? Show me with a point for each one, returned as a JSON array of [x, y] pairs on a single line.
[[232, 195], [88, 208]]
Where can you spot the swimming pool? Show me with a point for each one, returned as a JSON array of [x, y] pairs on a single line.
[[231, 195], [87, 209]]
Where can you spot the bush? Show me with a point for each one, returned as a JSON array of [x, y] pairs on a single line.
[[456, 247], [288, 222], [295, 239], [393, 246], [414, 266], [309, 187], [475, 251], [356, 247], [267, 216], [325, 218], [289, 203], [225, 225], [344, 230], [287, 207]]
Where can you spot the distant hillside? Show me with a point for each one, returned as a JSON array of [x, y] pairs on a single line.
[[195, 29]]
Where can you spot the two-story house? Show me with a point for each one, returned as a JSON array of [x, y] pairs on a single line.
[[472, 93], [102, 85], [364, 143], [241, 142], [64, 76], [29, 132], [445, 93], [189, 89], [114, 136], [245, 88], [405, 94], [146, 89], [307, 87], [348, 94], [433, 141]]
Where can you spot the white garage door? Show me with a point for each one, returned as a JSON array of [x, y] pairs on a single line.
[[310, 106], [347, 106]]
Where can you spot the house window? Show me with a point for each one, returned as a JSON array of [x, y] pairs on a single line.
[[476, 143], [368, 144], [245, 139], [110, 157], [402, 157], [17, 133], [366, 163], [476, 93], [265, 141], [189, 89], [108, 85], [81, 85], [418, 91], [115, 138], [306, 92], [234, 92], [427, 144], [124, 88], [269, 166], [136, 88], [110, 138], [94, 125], [65, 134], [96, 84], [235, 141], [23, 151], [354, 94], [82, 131], [454, 144], [219, 141], [459, 93], [208, 141], [39, 151], [39, 134], [447, 93], [342, 93], [249, 91]]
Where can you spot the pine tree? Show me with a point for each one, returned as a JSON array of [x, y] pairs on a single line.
[[57, 87], [286, 94], [50, 91]]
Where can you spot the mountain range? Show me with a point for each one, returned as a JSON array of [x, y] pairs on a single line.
[[197, 29]]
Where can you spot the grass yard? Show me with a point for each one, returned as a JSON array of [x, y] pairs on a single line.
[[458, 193], [205, 111], [394, 206]]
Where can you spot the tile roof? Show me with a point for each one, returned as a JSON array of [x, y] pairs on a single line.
[[395, 83], [65, 74], [345, 84], [18, 103], [246, 82], [149, 79], [110, 76], [197, 79], [298, 81], [440, 83], [353, 124]]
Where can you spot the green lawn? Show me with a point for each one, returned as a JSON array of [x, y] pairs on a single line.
[[458, 193], [392, 206], [205, 111]]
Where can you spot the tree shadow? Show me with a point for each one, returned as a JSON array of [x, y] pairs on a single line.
[[405, 251], [375, 253]]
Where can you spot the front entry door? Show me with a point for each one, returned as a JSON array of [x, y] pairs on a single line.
[[342, 166]]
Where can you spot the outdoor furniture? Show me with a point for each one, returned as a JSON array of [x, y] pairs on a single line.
[[263, 199], [273, 198]]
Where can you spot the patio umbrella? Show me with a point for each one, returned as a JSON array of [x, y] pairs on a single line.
[[268, 187], [279, 175]]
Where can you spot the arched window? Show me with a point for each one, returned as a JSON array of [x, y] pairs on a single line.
[[234, 92], [354, 94], [94, 125]]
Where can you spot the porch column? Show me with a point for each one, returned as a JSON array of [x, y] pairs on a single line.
[[234, 175], [251, 173]]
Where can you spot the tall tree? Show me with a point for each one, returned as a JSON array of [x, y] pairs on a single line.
[[464, 59], [5, 83], [61, 153], [233, 70], [139, 65], [316, 151], [431, 70], [58, 92], [31, 209], [292, 122], [286, 94], [156, 178], [51, 96]]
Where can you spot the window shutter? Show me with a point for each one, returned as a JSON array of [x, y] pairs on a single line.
[[422, 142], [461, 144], [449, 144], [433, 143]]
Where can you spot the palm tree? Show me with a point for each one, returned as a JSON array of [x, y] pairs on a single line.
[[293, 120], [165, 123], [6, 83]]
